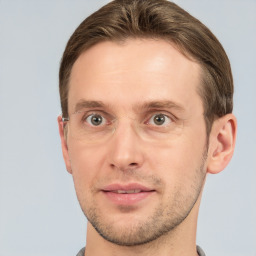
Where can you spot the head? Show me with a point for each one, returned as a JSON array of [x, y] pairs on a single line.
[[156, 87], [124, 19]]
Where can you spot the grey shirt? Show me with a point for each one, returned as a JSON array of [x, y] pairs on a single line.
[[199, 251], [81, 252]]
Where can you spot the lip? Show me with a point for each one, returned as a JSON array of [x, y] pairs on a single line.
[[127, 194], [126, 187]]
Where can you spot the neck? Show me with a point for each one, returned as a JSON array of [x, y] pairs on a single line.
[[180, 241]]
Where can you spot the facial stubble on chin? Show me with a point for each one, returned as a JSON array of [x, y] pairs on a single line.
[[163, 220]]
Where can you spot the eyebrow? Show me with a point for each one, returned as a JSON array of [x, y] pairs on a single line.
[[161, 104], [83, 104]]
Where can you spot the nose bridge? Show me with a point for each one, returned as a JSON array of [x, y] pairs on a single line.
[[126, 126], [125, 151]]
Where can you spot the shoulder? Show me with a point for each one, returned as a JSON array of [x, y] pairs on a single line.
[[200, 251], [81, 252]]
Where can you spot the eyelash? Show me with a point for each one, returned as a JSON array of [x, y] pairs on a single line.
[[160, 114], [107, 117], [100, 113]]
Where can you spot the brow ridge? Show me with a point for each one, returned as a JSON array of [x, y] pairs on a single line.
[[83, 104]]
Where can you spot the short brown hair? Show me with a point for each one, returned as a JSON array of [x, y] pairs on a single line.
[[159, 19]]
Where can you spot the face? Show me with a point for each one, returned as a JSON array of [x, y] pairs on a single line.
[[138, 160]]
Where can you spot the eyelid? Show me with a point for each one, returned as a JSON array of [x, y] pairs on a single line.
[[90, 111], [86, 113], [167, 122], [161, 112], [110, 118], [93, 112]]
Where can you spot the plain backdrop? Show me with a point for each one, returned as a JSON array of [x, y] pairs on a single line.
[[39, 212]]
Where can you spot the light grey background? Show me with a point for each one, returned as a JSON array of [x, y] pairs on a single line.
[[39, 213]]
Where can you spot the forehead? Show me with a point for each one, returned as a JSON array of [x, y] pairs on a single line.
[[128, 73]]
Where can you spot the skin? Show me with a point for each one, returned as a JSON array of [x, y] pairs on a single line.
[[173, 165]]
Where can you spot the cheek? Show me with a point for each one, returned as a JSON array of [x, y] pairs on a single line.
[[85, 163], [179, 160]]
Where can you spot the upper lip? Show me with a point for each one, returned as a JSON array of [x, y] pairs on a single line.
[[127, 187]]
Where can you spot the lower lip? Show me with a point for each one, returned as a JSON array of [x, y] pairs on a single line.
[[127, 199]]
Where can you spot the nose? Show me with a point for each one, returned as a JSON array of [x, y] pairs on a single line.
[[125, 148]]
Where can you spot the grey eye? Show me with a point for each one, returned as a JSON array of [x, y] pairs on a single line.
[[95, 120], [159, 119]]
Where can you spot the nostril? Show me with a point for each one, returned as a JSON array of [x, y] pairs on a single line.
[[133, 164]]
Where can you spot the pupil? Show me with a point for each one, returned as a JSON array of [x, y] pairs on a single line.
[[159, 119], [96, 120]]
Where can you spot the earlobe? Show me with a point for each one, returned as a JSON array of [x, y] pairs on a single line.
[[222, 143], [64, 145]]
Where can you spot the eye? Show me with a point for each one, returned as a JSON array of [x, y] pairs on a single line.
[[95, 120], [159, 120]]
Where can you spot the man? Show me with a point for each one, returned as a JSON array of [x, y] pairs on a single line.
[[146, 94]]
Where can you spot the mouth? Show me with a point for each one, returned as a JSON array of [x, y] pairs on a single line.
[[133, 191], [130, 194]]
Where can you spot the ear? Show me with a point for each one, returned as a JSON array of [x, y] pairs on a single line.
[[221, 143], [64, 145]]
